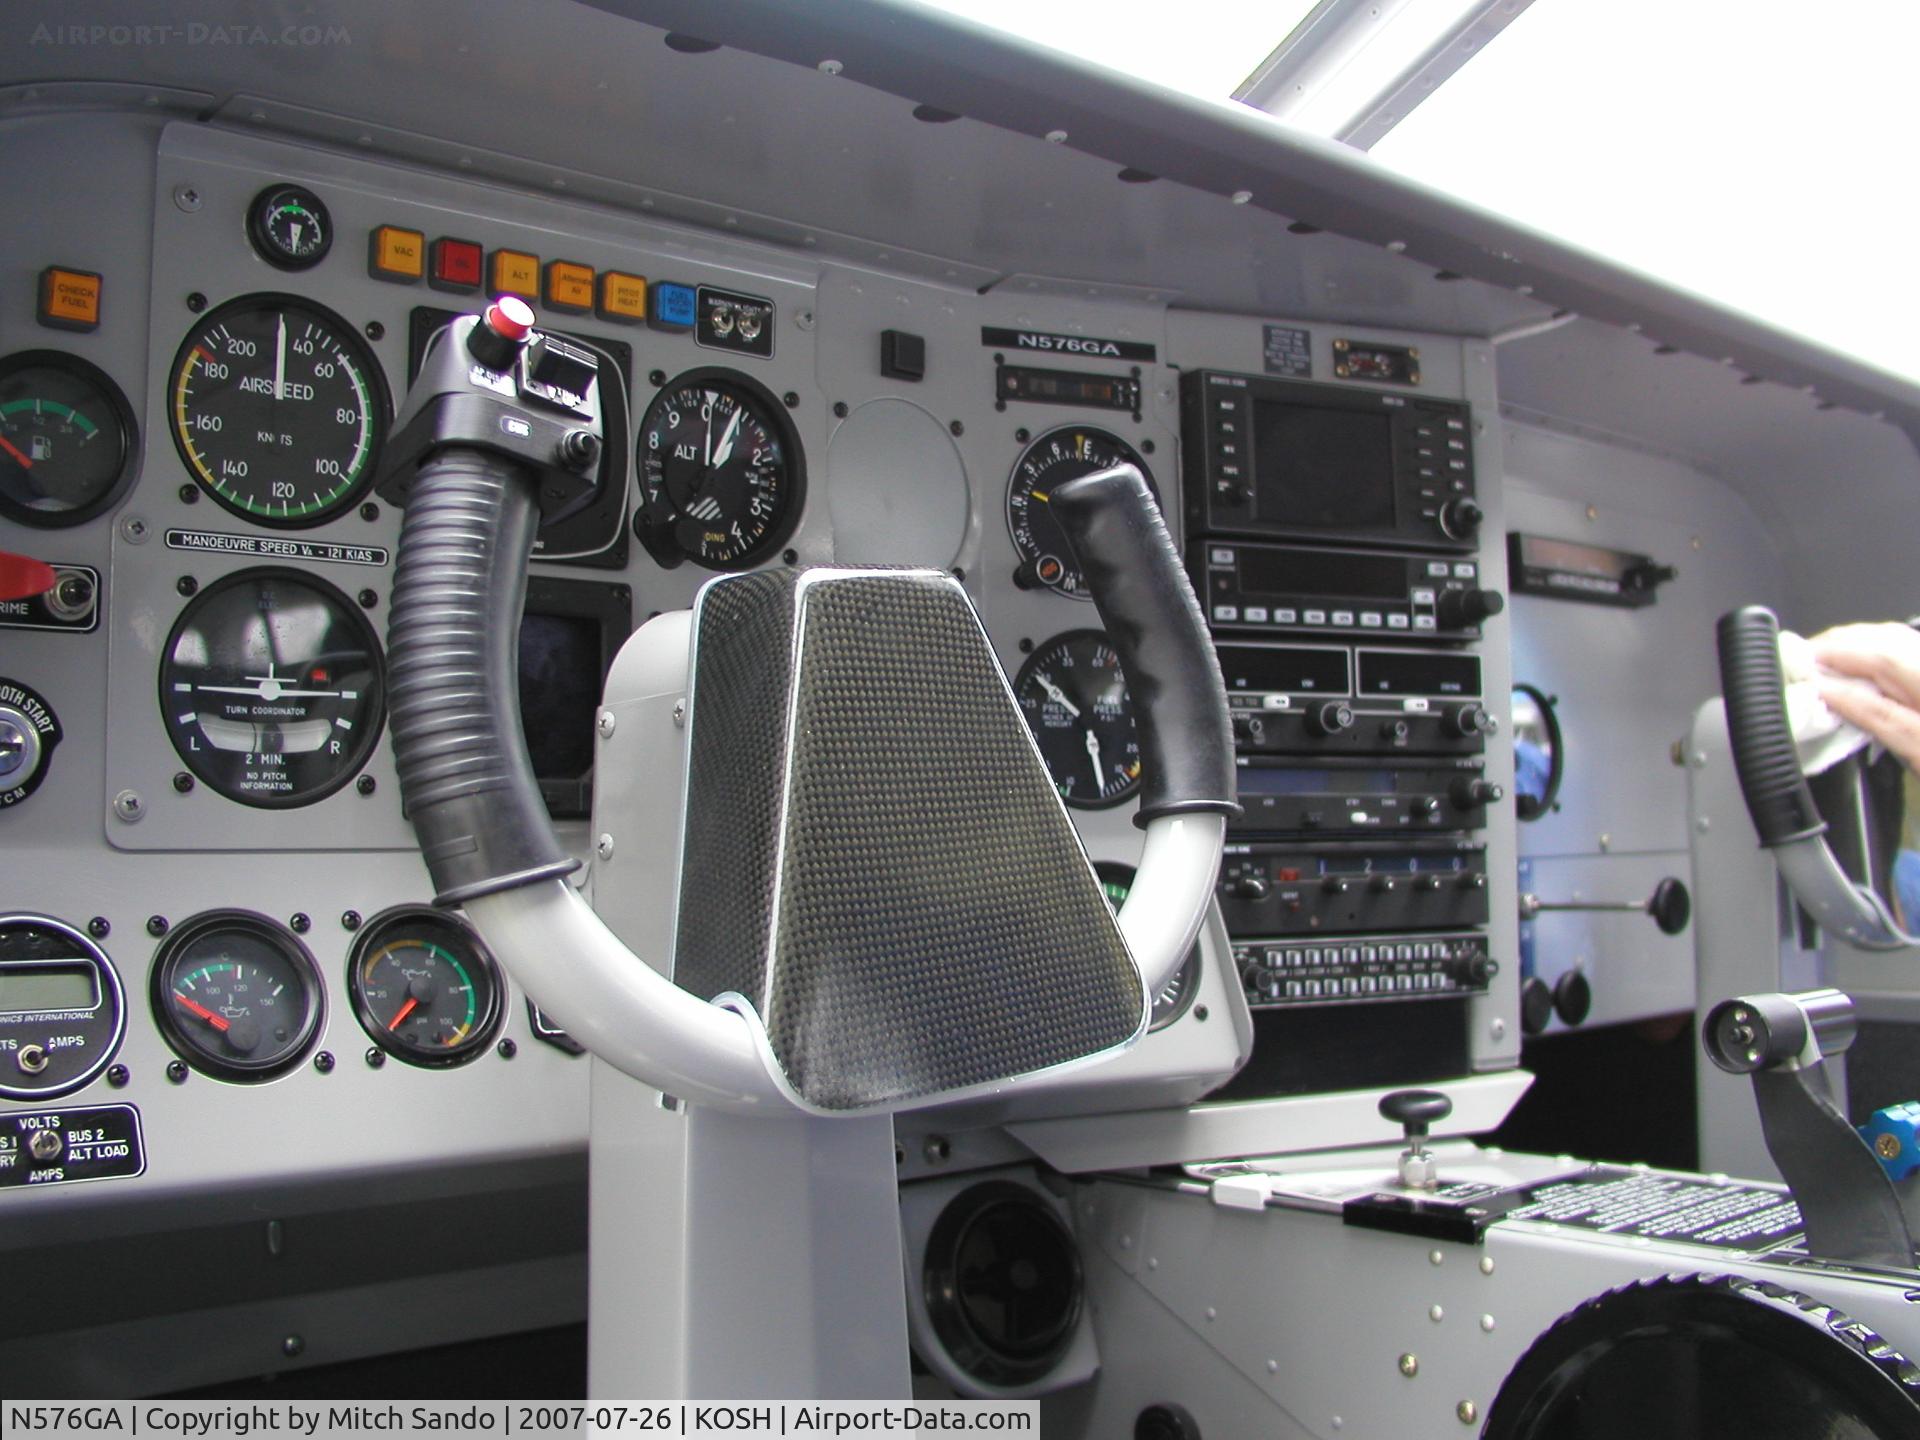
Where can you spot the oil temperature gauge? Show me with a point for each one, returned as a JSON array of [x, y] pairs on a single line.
[[236, 996], [424, 987]]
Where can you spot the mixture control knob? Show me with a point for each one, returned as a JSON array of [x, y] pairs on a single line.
[[1461, 608], [1466, 721], [1414, 1111], [495, 342], [1460, 517], [1469, 792], [1248, 887], [1329, 717]]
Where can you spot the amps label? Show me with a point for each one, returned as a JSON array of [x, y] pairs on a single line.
[[64, 1147]]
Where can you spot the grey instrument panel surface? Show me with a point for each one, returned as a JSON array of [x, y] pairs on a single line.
[[130, 218]]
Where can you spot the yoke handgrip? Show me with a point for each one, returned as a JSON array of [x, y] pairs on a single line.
[[1154, 621], [452, 658], [1764, 754]]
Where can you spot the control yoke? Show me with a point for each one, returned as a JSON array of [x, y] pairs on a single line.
[[1776, 791], [502, 428]]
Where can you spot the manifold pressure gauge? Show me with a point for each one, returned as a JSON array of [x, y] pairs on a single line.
[[1076, 704], [272, 688]]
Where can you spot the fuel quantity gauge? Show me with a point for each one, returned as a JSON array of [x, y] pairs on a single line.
[[66, 439], [424, 987]]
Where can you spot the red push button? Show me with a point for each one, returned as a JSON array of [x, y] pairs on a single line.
[[454, 264]]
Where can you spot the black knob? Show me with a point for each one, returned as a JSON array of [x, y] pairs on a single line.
[[1473, 881], [1466, 721], [1462, 608], [1414, 1110], [1536, 1005], [1431, 883], [1460, 517], [1572, 997], [1248, 727], [1248, 887], [1469, 792], [1395, 730], [496, 341], [1671, 906], [1426, 807], [1381, 884], [1329, 717], [1475, 969], [1336, 885]]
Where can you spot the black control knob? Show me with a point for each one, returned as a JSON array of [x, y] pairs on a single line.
[[1461, 517], [503, 329], [1395, 730], [1474, 881], [1475, 970], [1572, 997], [1426, 807], [1336, 885], [1466, 721], [1381, 884], [1460, 609], [1536, 1005], [1414, 1110], [1470, 792], [1329, 717], [1431, 883], [1248, 887], [1671, 906]]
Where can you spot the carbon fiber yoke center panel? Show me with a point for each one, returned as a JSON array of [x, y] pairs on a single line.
[[875, 857]]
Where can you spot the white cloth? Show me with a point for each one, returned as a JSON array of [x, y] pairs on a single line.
[[1822, 737]]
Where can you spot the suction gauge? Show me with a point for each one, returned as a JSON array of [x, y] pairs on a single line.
[[271, 688], [66, 439], [236, 996], [424, 987], [290, 227], [1076, 704]]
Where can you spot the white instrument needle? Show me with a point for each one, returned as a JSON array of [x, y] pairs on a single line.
[[1093, 754], [724, 452], [1059, 696], [280, 360]]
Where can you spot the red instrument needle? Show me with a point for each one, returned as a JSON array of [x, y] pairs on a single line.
[[405, 1010], [14, 450], [219, 1022]]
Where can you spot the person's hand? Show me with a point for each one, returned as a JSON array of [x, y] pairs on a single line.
[[1887, 656]]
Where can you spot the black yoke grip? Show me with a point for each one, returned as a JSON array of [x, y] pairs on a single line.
[[453, 640], [1154, 621], [1764, 754]]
